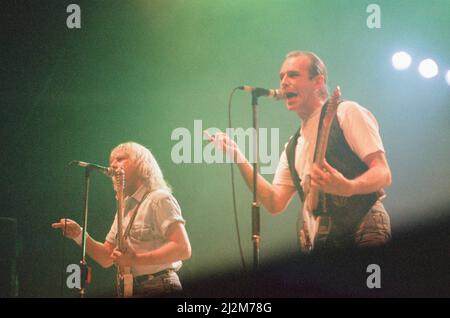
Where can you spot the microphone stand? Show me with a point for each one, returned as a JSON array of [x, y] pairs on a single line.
[[84, 269], [255, 205]]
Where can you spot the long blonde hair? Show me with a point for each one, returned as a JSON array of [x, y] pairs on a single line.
[[146, 165]]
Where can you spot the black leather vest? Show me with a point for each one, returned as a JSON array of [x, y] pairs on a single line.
[[346, 212]]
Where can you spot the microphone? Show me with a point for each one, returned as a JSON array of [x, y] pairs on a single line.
[[274, 93], [105, 170]]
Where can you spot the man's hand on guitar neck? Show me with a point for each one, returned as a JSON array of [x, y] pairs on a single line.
[[329, 180]]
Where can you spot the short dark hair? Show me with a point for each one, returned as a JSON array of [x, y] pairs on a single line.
[[316, 67]]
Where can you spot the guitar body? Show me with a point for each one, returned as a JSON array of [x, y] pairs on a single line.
[[124, 278], [124, 282], [308, 233]]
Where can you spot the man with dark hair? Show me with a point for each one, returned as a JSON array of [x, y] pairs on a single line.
[[355, 167]]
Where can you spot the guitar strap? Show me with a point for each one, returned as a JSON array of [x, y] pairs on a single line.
[[290, 155], [133, 217]]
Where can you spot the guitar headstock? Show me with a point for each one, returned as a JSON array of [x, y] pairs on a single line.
[[119, 180], [334, 101]]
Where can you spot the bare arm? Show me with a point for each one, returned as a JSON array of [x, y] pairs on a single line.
[[100, 252], [275, 198], [378, 176], [332, 181], [177, 248]]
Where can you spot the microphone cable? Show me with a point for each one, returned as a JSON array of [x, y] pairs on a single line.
[[233, 188]]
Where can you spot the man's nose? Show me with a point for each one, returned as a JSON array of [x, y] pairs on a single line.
[[283, 81], [114, 165]]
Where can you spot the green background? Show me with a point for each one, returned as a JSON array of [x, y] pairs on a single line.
[[136, 70]]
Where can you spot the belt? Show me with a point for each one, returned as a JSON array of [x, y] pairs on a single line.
[[141, 278]]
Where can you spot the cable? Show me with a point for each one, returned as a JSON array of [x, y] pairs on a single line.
[[233, 190]]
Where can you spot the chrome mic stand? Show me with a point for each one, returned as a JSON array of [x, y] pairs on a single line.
[[256, 237], [84, 268]]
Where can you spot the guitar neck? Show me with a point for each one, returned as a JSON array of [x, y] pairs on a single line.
[[322, 144], [120, 213], [325, 127]]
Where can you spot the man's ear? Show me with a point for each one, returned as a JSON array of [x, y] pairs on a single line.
[[319, 81]]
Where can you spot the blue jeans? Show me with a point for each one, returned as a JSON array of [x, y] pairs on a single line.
[[373, 231], [159, 286], [375, 228]]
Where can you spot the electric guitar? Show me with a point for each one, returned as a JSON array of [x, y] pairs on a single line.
[[317, 226], [124, 277]]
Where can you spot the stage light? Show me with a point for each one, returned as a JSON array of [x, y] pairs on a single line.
[[401, 60], [428, 68], [447, 77]]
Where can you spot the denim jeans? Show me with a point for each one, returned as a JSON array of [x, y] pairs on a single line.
[[373, 231], [375, 228], [160, 286]]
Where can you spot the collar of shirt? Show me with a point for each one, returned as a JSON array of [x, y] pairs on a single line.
[[136, 198]]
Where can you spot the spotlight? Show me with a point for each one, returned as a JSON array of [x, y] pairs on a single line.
[[428, 68], [447, 77], [401, 61]]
